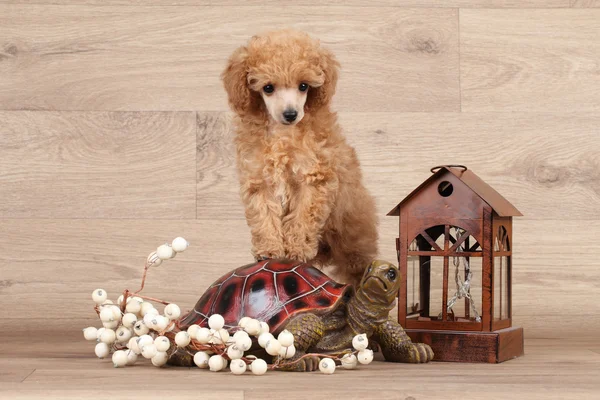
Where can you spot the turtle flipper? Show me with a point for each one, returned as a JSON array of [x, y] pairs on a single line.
[[308, 329], [396, 346]]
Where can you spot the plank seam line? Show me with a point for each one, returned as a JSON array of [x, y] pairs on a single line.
[[332, 6], [29, 375], [196, 130], [459, 63]]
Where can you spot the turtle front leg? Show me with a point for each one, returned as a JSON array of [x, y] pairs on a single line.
[[308, 329], [396, 346]]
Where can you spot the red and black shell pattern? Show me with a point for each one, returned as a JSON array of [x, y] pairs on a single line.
[[271, 291]]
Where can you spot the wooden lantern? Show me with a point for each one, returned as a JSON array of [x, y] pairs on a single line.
[[455, 255]]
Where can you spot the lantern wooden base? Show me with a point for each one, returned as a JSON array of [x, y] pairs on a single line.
[[472, 347]]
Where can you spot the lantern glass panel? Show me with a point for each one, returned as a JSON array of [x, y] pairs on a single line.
[[436, 287], [501, 243], [501, 272], [413, 284]]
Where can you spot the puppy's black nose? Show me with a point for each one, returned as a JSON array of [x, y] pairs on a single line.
[[290, 115]]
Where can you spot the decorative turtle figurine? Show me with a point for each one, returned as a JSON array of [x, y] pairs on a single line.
[[323, 315]]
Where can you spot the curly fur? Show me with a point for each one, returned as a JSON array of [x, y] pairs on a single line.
[[301, 185]]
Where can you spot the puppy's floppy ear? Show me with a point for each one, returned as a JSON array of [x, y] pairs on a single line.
[[320, 96], [235, 79]]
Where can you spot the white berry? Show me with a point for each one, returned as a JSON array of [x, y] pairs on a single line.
[[273, 346], [108, 336], [360, 342], [162, 343], [129, 320], [242, 323], [216, 322], [327, 366], [182, 339], [116, 313], [133, 307], [179, 244], [119, 358], [172, 311], [264, 338], [164, 252], [240, 334], [131, 357], [349, 361], [192, 330], [203, 335], [160, 322], [365, 356], [148, 350], [244, 343], [133, 345], [145, 308], [106, 315], [150, 320], [223, 335], [99, 296], [160, 359], [259, 367], [237, 367], [111, 325], [144, 340], [148, 309], [140, 328], [286, 338], [216, 362], [253, 327], [123, 334], [234, 352], [264, 327], [153, 259], [90, 333], [287, 352], [101, 350], [201, 359], [99, 333], [218, 337]]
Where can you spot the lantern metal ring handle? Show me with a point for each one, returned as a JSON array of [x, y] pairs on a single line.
[[436, 168]]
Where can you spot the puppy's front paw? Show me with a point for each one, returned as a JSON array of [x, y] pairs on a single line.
[[299, 242]]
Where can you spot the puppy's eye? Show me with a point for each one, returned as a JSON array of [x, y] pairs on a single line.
[[269, 88], [303, 87]]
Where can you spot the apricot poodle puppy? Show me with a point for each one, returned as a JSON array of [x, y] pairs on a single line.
[[301, 183]]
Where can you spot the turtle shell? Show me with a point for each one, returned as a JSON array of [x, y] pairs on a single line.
[[271, 291]]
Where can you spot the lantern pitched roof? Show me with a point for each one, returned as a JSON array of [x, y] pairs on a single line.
[[499, 204]]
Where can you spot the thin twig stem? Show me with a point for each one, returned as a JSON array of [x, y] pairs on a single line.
[[144, 277], [152, 299]]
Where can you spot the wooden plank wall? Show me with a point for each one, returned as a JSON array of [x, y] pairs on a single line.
[[115, 136]]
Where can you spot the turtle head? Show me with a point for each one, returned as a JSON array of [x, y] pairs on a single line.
[[381, 281]]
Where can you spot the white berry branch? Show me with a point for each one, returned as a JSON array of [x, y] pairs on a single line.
[[133, 327]]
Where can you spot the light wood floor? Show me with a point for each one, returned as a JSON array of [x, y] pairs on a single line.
[[61, 369], [115, 137]]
